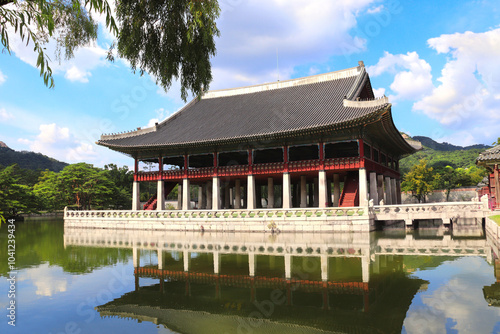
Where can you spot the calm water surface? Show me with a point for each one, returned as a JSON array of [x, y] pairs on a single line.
[[101, 281]]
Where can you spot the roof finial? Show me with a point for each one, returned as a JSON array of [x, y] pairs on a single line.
[[361, 63]]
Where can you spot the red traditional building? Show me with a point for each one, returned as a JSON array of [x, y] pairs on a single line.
[[317, 141], [490, 159]]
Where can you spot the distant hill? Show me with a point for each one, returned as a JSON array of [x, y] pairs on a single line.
[[431, 143], [441, 155], [28, 160]]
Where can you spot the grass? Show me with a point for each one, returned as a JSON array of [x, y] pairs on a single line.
[[496, 219]]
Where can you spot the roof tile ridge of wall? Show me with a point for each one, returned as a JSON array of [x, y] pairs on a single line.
[[330, 76]]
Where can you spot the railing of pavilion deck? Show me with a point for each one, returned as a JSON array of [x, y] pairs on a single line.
[[265, 214], [434, 208]]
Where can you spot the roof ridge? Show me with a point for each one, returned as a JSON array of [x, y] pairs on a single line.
[[330, 76]]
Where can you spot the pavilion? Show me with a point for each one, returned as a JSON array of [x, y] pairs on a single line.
[[490, 159], [318, 141]]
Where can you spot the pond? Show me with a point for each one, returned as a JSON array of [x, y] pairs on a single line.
[[116, 281]]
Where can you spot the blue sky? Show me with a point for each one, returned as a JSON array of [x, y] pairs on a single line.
[[436, 60]]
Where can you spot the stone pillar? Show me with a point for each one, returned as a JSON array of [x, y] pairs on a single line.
[[227, 198], [251, 264], [216, 262], [237, 194], [186, 198], [303, 191], [187, 260], [316, 193], [363, 187], [200, 197], [324, 268], [365, 268], [136, 199], [374, 188], [388, 191], [160, 195], [270, 193], [394, 192], [336, 190], [310, 195], [250, 192], [136, 257], [380, 188], [328, 191], [179, 196], [287, 191], [209, 195], [288, 266], [258, 194], [215, 193], [322, 190], [160, 258], [398, 192]]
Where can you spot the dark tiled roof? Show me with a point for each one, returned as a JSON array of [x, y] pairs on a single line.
[[490, 154], [255, 112]]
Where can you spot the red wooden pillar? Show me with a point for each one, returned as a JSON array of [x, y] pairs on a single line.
[[321, 156], [361, 148], [136, 169], [216, 163], [285, 158], [361, 153], [250, 161], [497, 183], [186, 165], [160, 168]]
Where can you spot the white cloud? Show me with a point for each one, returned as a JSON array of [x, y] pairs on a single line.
[[5, 115], [379, 92], [3, 78], [74, 74], [304, 31], [467, 98], [79, 68], [60, 143], [412, 75]]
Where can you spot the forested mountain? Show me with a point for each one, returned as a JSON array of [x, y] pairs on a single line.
[[28, 160], [440, 155], [431, 143]]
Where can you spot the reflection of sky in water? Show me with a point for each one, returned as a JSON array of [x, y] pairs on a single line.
[[454, 302], [47, 280], [52, 301]]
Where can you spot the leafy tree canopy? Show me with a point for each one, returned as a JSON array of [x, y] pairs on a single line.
[[166, 38], [419, 181]]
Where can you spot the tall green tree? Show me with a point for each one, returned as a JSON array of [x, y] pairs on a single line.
[[419, 181], [166, 38], [14, 197], [122, 178], [79, 184]]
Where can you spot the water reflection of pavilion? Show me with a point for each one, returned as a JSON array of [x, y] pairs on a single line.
[[295, 282]]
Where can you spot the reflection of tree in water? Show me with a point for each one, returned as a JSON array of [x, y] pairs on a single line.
[[43, 242]]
